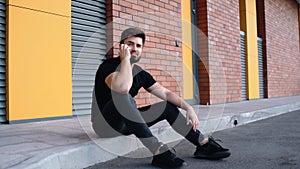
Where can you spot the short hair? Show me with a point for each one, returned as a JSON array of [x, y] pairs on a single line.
[[136, 32]]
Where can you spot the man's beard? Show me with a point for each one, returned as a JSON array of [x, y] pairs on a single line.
[[135, 59]]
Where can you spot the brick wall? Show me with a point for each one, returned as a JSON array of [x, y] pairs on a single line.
[[219, 52], [161, 21], [281, 45], [261, 32], [203, 66]]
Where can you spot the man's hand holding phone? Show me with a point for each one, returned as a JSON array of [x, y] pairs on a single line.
[[124, 52]]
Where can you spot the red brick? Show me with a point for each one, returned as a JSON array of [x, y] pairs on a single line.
[[148, 10], [149, 1], [138, 19], [137, 7], [169, 7], [174, 4], [130, 10], [155, 62], [159, 3], [163, 10], [154, 39], [154, 7], [167, 84], [125, 3]]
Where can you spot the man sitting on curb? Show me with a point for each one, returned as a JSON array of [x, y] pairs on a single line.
[[118, 80]]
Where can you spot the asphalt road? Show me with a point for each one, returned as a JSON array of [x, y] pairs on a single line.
[[273, 143]]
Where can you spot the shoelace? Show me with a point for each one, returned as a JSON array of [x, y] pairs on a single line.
[[219, 140], [215, 141], [166, 148], [172, 149], [173, 152]]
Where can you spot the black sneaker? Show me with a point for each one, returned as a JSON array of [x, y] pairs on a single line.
[[211, 150], [167, 159]]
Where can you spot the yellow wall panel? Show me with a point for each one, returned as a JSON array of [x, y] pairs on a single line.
[[249, 26], [188, 86], [59, 7], [39, 64], [250, 6]]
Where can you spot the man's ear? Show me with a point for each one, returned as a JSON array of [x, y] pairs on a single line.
[[120, 43]]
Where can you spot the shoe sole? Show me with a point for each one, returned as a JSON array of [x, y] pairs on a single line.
[[183, 165], [215, 156]]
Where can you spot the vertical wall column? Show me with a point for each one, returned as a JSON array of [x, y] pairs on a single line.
[[39, 59], [203, 52], [248, 25], [187, 55]]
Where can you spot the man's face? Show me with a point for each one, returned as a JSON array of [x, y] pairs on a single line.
[[136, 47]]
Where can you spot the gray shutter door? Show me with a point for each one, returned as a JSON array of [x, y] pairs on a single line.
[[2, 61], [243, 66], [260, 67], [88, 49]]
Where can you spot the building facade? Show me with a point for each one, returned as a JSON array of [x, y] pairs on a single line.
[[207, 51]]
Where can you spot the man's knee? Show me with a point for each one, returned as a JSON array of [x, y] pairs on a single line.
[[172, 108], [123, 100]]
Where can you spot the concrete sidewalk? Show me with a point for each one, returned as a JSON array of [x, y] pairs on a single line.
[[71, 143]]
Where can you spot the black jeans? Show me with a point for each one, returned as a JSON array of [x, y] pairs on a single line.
[[121, 116]]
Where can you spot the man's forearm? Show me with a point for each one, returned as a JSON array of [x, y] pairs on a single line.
[[191, 117], [122, 80], [177, 101]]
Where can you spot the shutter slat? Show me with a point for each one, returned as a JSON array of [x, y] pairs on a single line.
[[77, 89], [87, 22], [101, 30], [86, 55], [88, 5], [82, 50], [76, 38], [87, 34]]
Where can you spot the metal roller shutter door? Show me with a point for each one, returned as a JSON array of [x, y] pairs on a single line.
[[260, 68], [243, 66], [88, 49], [2, 61]]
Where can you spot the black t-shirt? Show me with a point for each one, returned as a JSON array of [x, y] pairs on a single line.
[[141, 78]]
